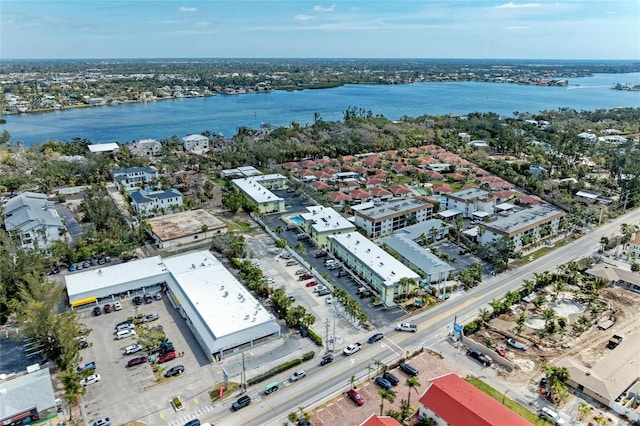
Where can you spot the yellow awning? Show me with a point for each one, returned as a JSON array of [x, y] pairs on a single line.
[[83, 301]]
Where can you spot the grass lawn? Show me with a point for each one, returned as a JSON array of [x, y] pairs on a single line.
[[238, 226], [509, 403], [543, 251]]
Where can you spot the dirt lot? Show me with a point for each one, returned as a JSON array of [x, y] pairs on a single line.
[[587, 347]]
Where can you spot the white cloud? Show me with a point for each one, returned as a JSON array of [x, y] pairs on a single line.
[[319, 8], [188, 9], [512, 5], [302, 18]]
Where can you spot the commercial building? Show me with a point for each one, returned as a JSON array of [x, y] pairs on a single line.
[[222, 314], [471, 200], [33, 221], [258, 189], [381, 271], [134, 177], [613, 380], [386, 218], [434, 270], [151, 203], [320, 222], [27, 398], [523, 226], [451, 401], [181, 229]]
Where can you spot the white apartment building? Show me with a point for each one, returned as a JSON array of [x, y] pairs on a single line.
[[153, 203], [257, 188], [471, 200], [320, 222], [386, 218], [134, 177]]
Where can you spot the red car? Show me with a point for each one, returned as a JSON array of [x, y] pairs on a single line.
[[137, 361], [107, 308], [167, 357], [311, 283], [355, 396]]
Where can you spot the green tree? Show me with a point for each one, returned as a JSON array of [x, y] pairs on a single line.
[[412, 383], [387, 394]]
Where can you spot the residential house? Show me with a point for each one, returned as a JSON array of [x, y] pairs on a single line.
[[185, 228], [319, 186], [134, 177], [381, 194], [258, 189], [586, 197], [146, 147], [339, 197], [151, 203], [110, 148], [471, 200], [634, 245], [441, 189], [375, 420], [33, 221], [359, 196], [616, 276], [452, 401], [537, 170], [400, 191], [196, 144]]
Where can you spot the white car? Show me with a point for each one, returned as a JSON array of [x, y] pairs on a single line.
[[117, 306], [89, 380], [297, 375], [132, 349], [352, 349], [328, 300]]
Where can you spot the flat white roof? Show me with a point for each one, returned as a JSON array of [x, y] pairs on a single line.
[[104, 147], [505, 206], [378, 260], [449, 213], [326, 219], [94, 280], [258, 193], [223, 304]]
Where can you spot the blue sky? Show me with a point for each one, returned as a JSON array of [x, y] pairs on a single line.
[[563, 29]]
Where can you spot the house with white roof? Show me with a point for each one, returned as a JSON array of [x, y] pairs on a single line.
[[320, 222], [33, 221], [471, 200], [196, 144], [258, 189], [220, 312], [111, 148], [382, 272], [151, 203], [134, 177]]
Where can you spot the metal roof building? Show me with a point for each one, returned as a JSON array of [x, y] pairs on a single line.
[[218, 309], [415, 256], [26, 395]]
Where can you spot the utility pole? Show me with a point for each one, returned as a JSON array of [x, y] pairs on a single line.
[[243, 377], [334, 332], [326, 324]]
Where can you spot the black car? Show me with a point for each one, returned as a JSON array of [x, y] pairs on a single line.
[[391, 378], [97, 311], [125, 322], [242, 402], [326, 359], [137, 300], [479, 356], [321, 254], [342, 273], [148, 298], [375, 337], [194, 422], [174, 371], [408, 369]]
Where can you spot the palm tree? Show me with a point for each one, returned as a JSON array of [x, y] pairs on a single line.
[[521, 319], [484, 316], [387, 394], [412, 383], [548, 315]]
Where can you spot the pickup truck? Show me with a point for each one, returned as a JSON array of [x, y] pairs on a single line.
[[352, 349], [614, 341], [518, 345], [405, 326]]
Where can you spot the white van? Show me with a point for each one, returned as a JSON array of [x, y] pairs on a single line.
[[555, 417], [124, 327], [123, 334]]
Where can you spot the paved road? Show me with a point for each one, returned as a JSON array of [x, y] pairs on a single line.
[[434, 325]]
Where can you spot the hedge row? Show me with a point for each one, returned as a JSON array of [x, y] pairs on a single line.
[[315, 338], [275, 370]]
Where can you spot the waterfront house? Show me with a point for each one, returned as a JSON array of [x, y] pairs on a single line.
[[134, 177]]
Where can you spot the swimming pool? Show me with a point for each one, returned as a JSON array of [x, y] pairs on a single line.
[[296, 219]]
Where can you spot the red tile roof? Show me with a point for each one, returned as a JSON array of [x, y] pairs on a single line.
[[290, 165], [376, 420], [461, 404], [380, 192], [504, 194], [400, 189], [348, 158], [359, 194], [319, 186], [338, 196], [444, 187], [531, 199]]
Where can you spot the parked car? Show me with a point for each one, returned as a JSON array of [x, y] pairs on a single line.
[[107, 308], [375, 337], [321, 254], [101, 261], [285, 255], [148, 298], [324, 291], [137, 300], [391, 378], [117, 306], [408, 369], [194, 422], [174, 371], [326, 359], [342, 273], [297, 376], [88, 366], [291, 299], [292, 262], [169, 356], [301, 271], [123, 334], [479, 356], [83, 343], [166, 347], [550, 414], [158, 295], [311, 283], [150, 317], [242, 402], [72, 268], [328, 300], [97, 311], [305, 276], [89, 380], [355, 396], [518, 345], [105, 421], [383, 383], [132, 349], [137, 361], [334, 266]]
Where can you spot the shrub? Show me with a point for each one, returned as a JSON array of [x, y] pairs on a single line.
[[308, 356], [315, 338], [275, 370]]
